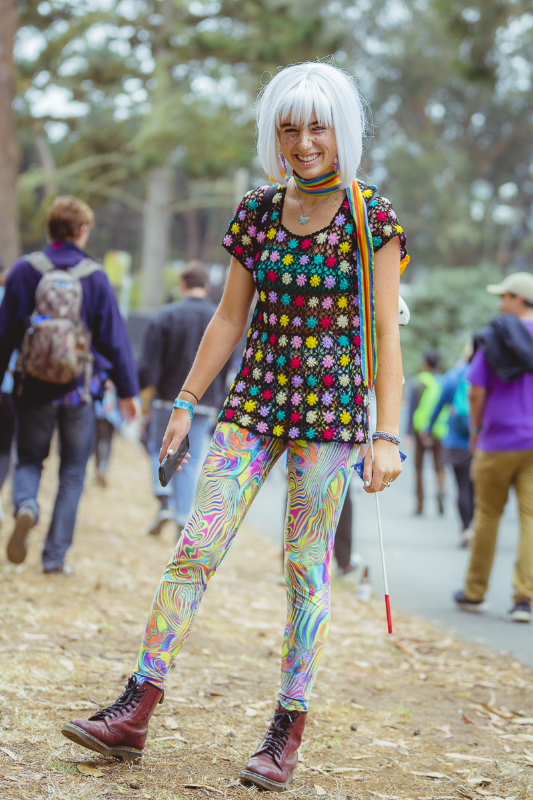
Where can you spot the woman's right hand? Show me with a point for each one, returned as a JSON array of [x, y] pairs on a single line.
[[177, 429]]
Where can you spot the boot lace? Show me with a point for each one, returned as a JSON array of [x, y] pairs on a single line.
[[127, 701], [279, 731]]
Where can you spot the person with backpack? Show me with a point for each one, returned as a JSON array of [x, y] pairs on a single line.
[[425, 393], [454, 396], [321, 254], [59, 310]]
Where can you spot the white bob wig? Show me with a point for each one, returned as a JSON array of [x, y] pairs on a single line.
[[293, 93]]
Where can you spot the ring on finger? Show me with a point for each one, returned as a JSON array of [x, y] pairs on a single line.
[[386, 483]]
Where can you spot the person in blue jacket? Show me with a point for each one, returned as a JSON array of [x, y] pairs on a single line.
[[456, 453], [41, 405]]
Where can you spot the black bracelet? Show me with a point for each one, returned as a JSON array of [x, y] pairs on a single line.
[[191, 393]]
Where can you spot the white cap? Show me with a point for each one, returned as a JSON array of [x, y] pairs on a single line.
[[404, 315], [520, 283]]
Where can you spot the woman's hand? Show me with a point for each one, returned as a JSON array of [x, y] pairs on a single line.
[[177, 429], [386, 467]]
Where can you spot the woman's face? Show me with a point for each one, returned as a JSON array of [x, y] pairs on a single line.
[[310, 149]]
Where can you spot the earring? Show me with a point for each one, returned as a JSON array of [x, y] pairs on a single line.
[[336, 162], [282, 159]]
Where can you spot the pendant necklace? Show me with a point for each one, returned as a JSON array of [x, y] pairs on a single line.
[[304, 218]]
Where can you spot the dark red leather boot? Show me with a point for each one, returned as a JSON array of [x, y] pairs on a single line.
[[121, 729], [272, 765]]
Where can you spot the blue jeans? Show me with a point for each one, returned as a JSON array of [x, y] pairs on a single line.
[[182, 487], [76, 436]]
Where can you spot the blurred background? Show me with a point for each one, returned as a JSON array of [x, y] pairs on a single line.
[[144, 108]]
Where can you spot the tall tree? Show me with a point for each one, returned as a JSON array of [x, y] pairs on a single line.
[[9, 154]]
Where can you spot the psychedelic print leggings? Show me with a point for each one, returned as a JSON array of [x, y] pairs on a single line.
[[237, 463]]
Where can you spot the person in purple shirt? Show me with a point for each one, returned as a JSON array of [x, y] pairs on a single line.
[[501, 438], [40, 405]]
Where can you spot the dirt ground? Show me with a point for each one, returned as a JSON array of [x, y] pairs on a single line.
[[413, 715]]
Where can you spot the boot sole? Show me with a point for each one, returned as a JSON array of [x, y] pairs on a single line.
[[16, 548], [264, 783], [84, 739]]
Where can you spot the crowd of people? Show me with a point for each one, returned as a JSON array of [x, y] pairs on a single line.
[[322, 253]]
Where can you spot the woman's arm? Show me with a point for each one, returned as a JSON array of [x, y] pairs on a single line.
[[389, 378], [219, 340]]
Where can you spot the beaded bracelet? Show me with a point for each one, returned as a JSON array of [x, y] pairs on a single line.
[[185, 405], [389, 437]]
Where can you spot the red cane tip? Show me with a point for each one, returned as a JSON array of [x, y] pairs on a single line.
[[389, 617]]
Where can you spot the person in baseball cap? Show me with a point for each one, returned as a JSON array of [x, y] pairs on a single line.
[[519, 284]]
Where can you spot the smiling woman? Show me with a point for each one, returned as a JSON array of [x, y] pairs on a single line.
[[322, 251]]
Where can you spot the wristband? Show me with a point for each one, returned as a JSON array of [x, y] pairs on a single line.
[[185, 405], [389, 437]]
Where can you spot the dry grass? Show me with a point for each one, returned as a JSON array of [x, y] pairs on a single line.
[[435, 718]]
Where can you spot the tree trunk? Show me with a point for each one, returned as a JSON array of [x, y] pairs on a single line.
[[156, 234], [9, 153]]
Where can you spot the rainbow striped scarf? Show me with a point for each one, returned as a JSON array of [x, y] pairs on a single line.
[[365, 283], [324, 184]]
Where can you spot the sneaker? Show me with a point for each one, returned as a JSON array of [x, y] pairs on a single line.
[[466, 537], [474, 606], [160, 519], [60, 569], [520, 612], [17, 549], [353, 571]]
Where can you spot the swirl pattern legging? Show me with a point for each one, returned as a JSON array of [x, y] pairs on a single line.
[[237, 463]]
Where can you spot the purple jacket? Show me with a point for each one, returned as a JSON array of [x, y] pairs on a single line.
[[110, 341]]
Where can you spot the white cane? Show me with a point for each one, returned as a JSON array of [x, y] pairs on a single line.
[[382, 549]]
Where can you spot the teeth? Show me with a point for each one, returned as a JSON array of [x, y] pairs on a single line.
[[308, 158]]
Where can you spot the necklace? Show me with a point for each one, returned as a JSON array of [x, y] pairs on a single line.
[[304, 218]]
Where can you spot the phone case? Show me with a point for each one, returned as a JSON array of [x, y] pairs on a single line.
[[170, 463]]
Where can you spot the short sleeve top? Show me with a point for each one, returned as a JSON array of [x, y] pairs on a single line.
[[300, 376]]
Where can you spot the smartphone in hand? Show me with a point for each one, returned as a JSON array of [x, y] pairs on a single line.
[[170, 463]]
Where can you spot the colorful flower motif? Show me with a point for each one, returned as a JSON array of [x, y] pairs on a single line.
[[321, 238], [258, 355], [381, 216], [281, 398], [312, 381], [250, 405], [344, 379], [329, 380], [344, 266], [331, 261], [329, 282], [261, 237], [284, 320], [326, 322], [245, 420], [269, 377], [249, 352], [235, 228], [311, 433], [264, 411], [295, 362], [315, 280], [318, 258], [344, 247], [376, 241], [387, 230], [303, 261], [327, 398], [312, 399], [398, 229], [280, 414], [359, 435], [342, 321], [300, 280], [272, 338], [293, 433], [271, 275], [343, 284], [311, 342], [262, 296], [306, 244], [358, 400], [311, 362], [327, 362], [262, 427], [349, 228], [252, 230], [249, 263], [344, 398], [329, 416], [286, 278], [227, 240], [311, 322], [295, 416], [326, 303], [283, 341], [297, 380], [277, 197], [333, 238], [268, 394], [345, 434], [345, 417], [254, 390], [230, 413], [246, 239], [282, 380], [235, 401], [328, 434], [342, 302], [357, 340], [296, 399], [357, 380], [277, 430], [297, 321], [292, 244], [246, 370], [356, 322], [285, 299], [296, 341], [238, 250], [280, 236], [271, 233], [327, 341], [272, 319], [280, 360], [311, 416], [288, 259], [274, 256], [299, 301], [344, 341], [344, 360], [255, 334], [340, 219]]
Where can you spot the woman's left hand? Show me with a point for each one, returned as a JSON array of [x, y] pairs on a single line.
[[386, 467]]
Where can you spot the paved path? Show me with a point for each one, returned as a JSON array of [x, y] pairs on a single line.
[[424, 563]]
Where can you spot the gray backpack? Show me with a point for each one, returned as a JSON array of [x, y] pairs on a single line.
[[57, 345]]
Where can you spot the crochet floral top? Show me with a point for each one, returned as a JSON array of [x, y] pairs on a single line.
[[300, 377]]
